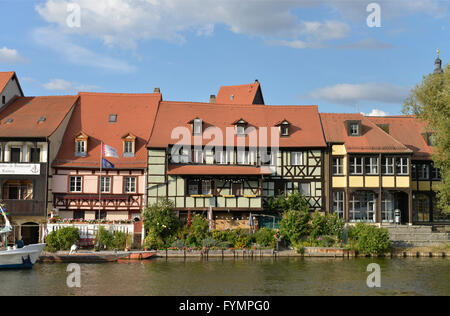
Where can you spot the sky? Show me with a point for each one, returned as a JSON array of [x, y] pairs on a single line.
[[342, 55]]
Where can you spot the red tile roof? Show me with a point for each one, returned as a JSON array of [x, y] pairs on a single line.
[[135, 115], [305, 128], [217, 170], [4, 79], [408, 130], [24, 113], [240, 94], [372, 140]]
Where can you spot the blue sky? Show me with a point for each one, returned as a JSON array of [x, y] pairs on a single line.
[[301, 51]]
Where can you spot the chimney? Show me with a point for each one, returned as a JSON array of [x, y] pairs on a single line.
[[157, 90], [212, 98]]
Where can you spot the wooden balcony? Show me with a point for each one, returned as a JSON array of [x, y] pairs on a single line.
[[26, 208], [91, 201]]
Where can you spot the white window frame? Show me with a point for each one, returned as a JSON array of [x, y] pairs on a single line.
[[372, 163], [389, 162], [339, 203], [78, 181], [338, 169], [198, 156], [296, 158], [129, 184], [356, 165], [222, 157], [400, 165], [82, 146], [354, 132], [240, 130], [128, 147], [206, 187], [424, 170], [197, 127], [105, 184]]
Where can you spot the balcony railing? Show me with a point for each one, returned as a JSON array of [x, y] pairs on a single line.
[[25, 207]]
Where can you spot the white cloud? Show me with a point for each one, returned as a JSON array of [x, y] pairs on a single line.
[[352, 94], [126, 22], [376, 112], [366, 44], [64, 85], [60, 43], [11, 56]]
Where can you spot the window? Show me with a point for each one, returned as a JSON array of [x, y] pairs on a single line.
[[296, 158], [112, 118], [3, 99], [424, 172], [421, 207], [128, 147], [206, 187], [35, 155], [244, 157], [130, 185], [338, 203], [15, 155], [362, 206], [193, 188], [75, 184], [435, 173], [354, 129], [18, 190], [236, 189], [100, 215], [387, 207], [388, 165], [284, 130], [304, 189], [402, 166], [338, 166], [78, 214], [198, 156], [267, 158], [222, 157], [356, 165], [81, 147], [371, 165], [197, 127], [240, 130], [105, 184]]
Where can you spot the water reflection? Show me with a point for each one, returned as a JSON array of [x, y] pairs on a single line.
[[258, 276]]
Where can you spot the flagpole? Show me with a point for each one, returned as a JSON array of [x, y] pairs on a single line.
[[100, 182]]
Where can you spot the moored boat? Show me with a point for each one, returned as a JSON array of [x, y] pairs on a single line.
[[19, 256]]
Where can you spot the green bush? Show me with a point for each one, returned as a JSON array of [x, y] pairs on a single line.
[[160, 223], [326, 225], [198, 229], [281, 203], [265, 237], [62, 239], [370, 239], [153, 241], [209, 242], [113, 240], [224, 245], [178, 244], [294, 225]]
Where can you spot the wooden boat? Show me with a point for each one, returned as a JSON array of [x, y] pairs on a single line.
[[83, 257], [139, 255]]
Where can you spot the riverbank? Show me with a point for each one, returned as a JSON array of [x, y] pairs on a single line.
[[309, 252]]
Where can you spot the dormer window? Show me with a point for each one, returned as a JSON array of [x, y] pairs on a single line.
[[81, 145], [284, 127], [240, 127], [129, 144], [197, 126], [353, 128]]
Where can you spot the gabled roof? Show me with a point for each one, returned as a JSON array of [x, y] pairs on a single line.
[[240, 94], [408, 130], [24, 114], [135, 115], [305, 128], [5, 77], [372, 140]]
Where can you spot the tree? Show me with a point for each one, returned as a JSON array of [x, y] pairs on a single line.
[[294, 225], [281, 203], [430, 101], [160, 222]]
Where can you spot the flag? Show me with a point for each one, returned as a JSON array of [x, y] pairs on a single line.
[[106, 164], [108, 151]]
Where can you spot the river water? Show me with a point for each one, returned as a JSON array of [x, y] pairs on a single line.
[[262, 276]]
